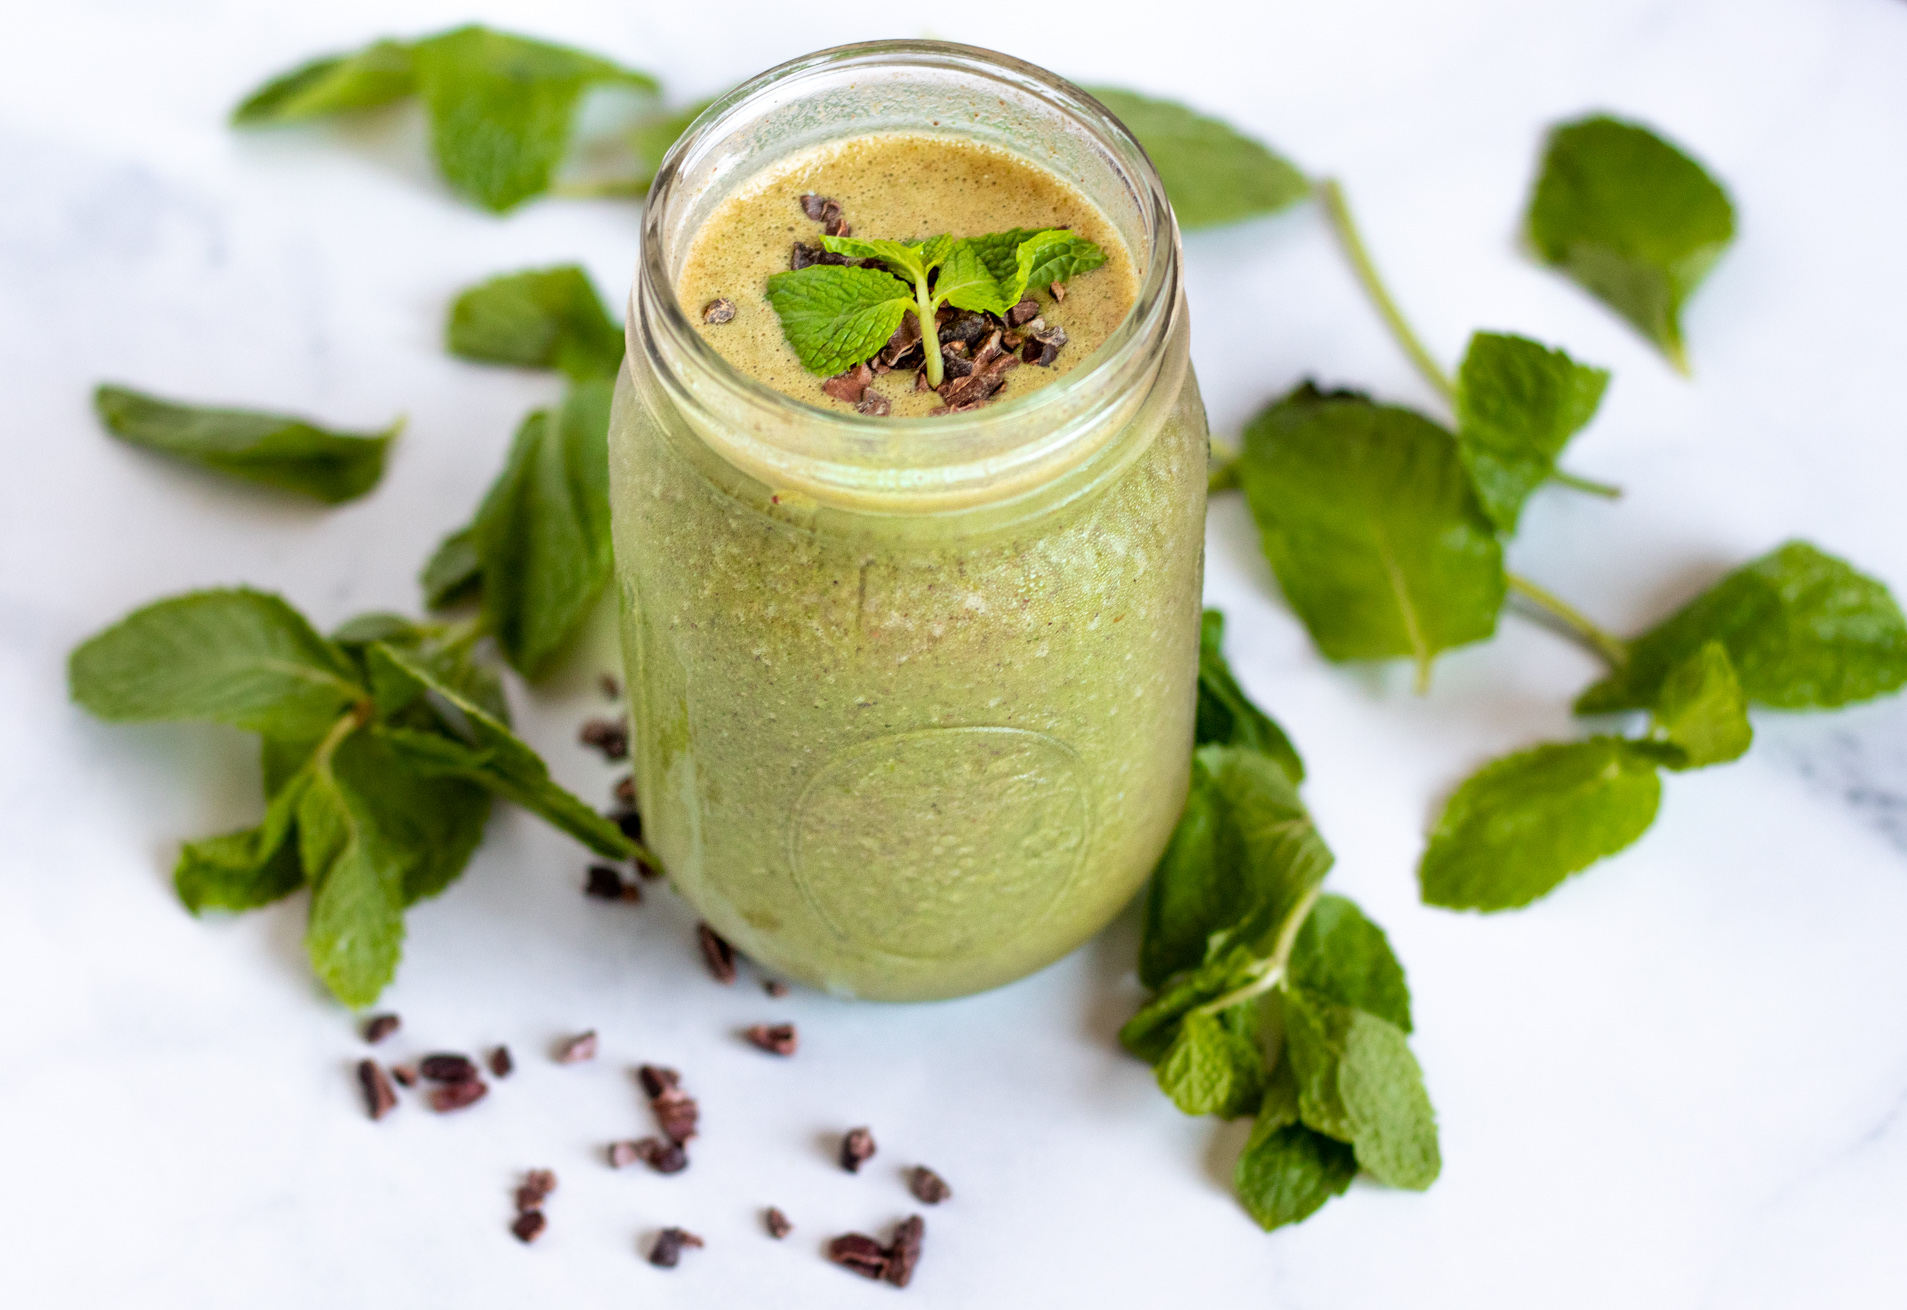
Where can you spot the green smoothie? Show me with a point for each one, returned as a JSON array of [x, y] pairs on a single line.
[[895, 744]]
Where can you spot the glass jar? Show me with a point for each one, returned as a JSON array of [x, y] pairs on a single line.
[[912, 699]]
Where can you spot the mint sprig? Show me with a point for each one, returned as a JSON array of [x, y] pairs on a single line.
[[1213, 173]]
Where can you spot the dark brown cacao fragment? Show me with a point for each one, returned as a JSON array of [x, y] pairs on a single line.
[[716, 953], [447, 1068], [857, 1148], [501, 1064], [575, 1050], [675, 1111], [777, 1223], [851, 385], [405, 1074], [529, 1226], [775, 987], [775, 1038], [669, 1245], [1025, 312], [380, 1026], [379, 1098], [719, 310], [874, 405], [816, 207], [662, 1154], [536, 1187], [927, 1186], [610, 736], [605, 883], [859, 1253], [455, 1096], [903, 1251]]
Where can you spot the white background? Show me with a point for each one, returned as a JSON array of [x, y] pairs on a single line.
[[1679, 1082]]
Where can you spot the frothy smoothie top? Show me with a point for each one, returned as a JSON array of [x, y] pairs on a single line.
[[899, 186]]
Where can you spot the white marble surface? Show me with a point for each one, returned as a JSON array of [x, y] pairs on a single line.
[[1679, 1082]]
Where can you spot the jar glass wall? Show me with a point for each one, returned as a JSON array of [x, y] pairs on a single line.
[[912, 699]]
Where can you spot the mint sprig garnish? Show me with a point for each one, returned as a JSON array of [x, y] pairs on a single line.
[[1213, 173], [836, 316]]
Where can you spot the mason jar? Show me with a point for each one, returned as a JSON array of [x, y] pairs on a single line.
[[912, 699]]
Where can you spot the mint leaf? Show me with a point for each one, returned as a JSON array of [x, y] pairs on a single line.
[[906, 260], [1287, 1171], [1358, 1082], [376, 75], [246, 869], [1212, 173], [652, 139], [543, 529], [1521, 824], [1212, 1067], [1372, 527], [1518, 404], [274, 449], [834, 316], [241, 657], [454, 572], [447, 654], [451, 736], [1055, 255], [1702, 713], [1150, 1032], [1226, 716], [1344, 957], [1634, 220], [966, 281], [502, 108], [1803, 629], [540, 318]]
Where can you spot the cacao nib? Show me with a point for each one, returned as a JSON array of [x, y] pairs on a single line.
[[379, 1099], [1059, 291], [857, 1148], [605, 883], [903, 1249], [529, 1226], [576, 1049], [719, 310], [816, 207], [851, 385], [537, 1185], [716, 953], [1043, 347], [859, 1253], [405, 1074], [667, 1252], [610, 736], [775, 987], [626, 791], [611, 688], [501, 1065], [675, 1111], [1025, 312], [455, 1096], [380, 1026], [447, 1068], [927, 1186], [630, 822], [661, 1154], [874, 404], [777, 1223]]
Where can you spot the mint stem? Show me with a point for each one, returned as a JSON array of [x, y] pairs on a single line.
[[1597, 639], [1575, 482], [929, 334], [1274, 967], [1426, 364]]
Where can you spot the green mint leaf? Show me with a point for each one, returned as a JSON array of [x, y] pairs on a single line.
[[240, 657], [1634, 220], [906, 260], [447, 654], [454, 572], [967, 281], [274, 449], [990, 274], [1372, 527], [836, 317], [1344, 957], [502, 108], [1054, 255], [1288, 1171], [1518, 404], [244, 870], [1212, 1068], [1521, 824], [541, 318], [376, 75], [1702, 712], [1243, 859], [1803, 629], [1358, 1082], [1150, 1032], [998, 253], [1212, 173], [651, 141], [1226, 716], [543, 529], [460, 739]]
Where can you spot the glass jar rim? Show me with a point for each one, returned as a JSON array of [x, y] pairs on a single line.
[[948, 449]]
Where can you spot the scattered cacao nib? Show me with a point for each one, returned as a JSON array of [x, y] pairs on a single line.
[[990, 358], [927, 1186], [501, 1064], [967, 393], [1059, 291], [718, 954], [804, 256], [816, 207], [902, 346], [575, 1050], [610, 736], [851, 385], [605, 883], [623, 1154], [630, 821], [675, 1111], [719, 310], [405, 1074], [1013, 340], [625, 792], [659, 1153], [920, 381], [903, 1250], [776, 1038], [646, 869], [536, 1187], [529, 1226], [857, 1148], [611, 688], [777, 1223], [445, 1068], [1025, 312], [380, 1026], [963, 325], [954, 363], [667, 1252], [838, 228], [1043, 347], [775, 987], [861, 1254], [379, 1099], [874, 404], [455, 1096]]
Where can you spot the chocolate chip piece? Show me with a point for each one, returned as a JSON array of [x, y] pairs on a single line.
[[611, 688], [860, 1253], [929, 1187], [777, 1223], [626, 791], [874, 405], [1059, 291], [667, 1251], [380, 1026], [537, 1185], [445, 1068], [718, 954], [455, 1096], [675, 1111], [1025, 312], [816, 207], [776, 1039], [529, 1226], [719, 310], [605, 883], [857, 1148], [379, 1099], [576, 1049], [659, 1153], [903, 1251], [610, 736], [405, 1074], [775, 987], [851, 385], [500, 1062]]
